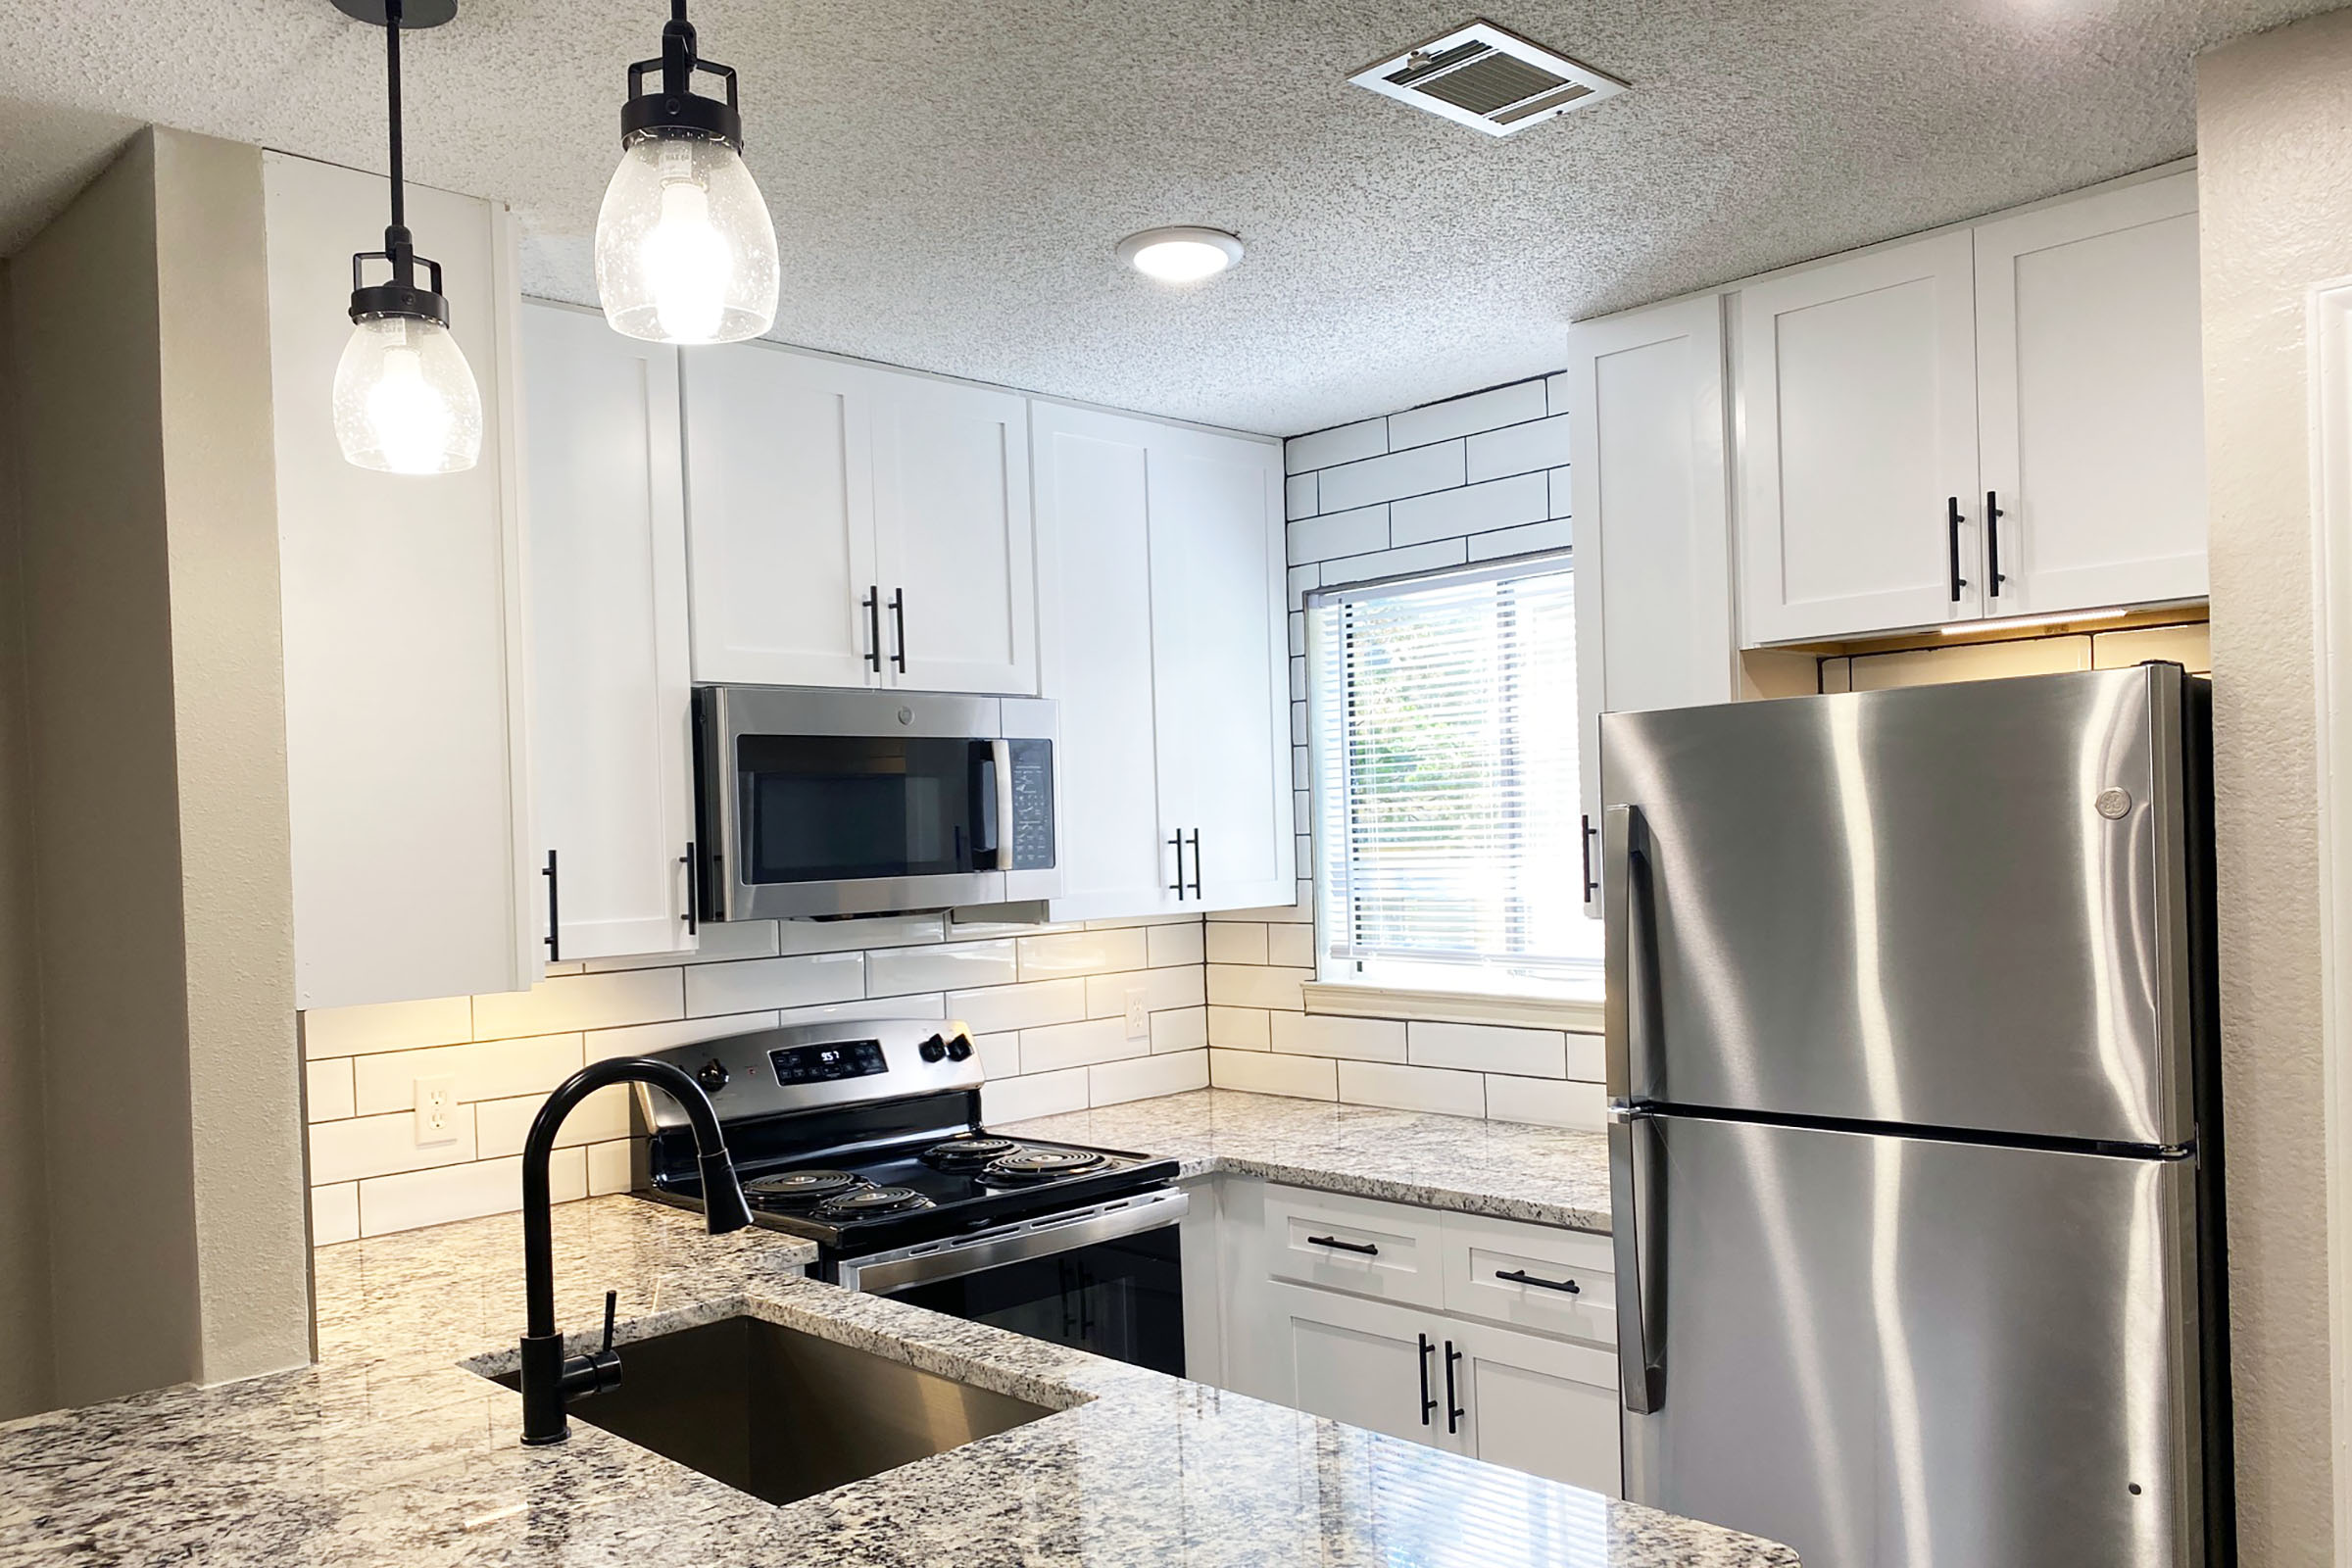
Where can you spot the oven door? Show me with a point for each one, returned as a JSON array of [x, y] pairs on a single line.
[[1107, 1278]]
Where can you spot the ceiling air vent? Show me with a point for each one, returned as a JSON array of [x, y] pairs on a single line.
[[1492, 80]]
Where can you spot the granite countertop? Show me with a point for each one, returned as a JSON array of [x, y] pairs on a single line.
[[1508, 1169], [390, 1451]]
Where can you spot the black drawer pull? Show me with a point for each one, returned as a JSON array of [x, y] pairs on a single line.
[[1453, 1411], [1365, 1247], [1429, 1401], [1520, 1276]]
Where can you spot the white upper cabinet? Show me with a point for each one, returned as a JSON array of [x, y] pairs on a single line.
[[780, 512], [1653, 575], [952, 536], [406, 746], [854, 526], [1857, 384], [1164, 643], [2090, 401], [611, 711]]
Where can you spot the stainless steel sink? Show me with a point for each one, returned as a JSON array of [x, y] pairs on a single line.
[[782, 1414]]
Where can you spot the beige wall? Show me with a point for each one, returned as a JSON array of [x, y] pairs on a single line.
[[2275, 179], [155, 780]]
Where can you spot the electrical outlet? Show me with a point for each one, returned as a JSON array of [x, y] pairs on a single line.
[[1138, 1022], [436, 1112]]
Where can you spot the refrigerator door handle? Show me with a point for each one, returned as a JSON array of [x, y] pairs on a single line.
[[1625, 963], [1639, 1210]]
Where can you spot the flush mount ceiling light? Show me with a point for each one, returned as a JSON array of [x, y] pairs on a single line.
[[685, 251], [1487, 78], [405, 398], [1183, 254]]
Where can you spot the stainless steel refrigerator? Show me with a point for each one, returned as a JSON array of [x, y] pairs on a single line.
[[1914, 1130]]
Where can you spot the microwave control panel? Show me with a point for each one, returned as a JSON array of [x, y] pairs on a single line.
[[1032, 831]]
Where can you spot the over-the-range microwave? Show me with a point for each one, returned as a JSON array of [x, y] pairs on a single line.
[[814, 803]]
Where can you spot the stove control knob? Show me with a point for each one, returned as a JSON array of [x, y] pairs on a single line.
[[711, 1075], [960, 1048], [933, 1049]]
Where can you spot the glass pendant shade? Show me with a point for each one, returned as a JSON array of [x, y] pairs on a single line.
[[685, 251], [405, 399]]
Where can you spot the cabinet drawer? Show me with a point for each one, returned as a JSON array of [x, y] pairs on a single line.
[[1353, 1245], [1519, 1275]]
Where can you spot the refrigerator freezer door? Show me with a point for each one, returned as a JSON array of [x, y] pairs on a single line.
[[1891, 1351], [1955, 907]]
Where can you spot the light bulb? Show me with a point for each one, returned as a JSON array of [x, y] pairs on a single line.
[[1180, 255], [685, 252], [405, 399]]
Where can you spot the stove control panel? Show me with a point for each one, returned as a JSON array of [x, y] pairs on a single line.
[[819, 1064]]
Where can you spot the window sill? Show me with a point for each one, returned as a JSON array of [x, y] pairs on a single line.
[[1577, 1014]]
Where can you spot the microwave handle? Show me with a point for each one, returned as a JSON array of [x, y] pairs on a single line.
[[1000, 752]]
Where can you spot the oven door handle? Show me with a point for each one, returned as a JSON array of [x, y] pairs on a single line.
[[885, 1272]]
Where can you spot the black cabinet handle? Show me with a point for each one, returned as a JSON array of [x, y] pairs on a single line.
[[1591, 883], [898, 621], [1176, 887], [1520, 1276], [1952, 521], [555, 913], [1993, 575], [872, 604], [1453, 1411], [1428, 1400], [1365, 1247], [691, 888], [1196, 863]]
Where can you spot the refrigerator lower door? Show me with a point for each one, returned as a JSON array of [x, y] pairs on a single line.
[[1898, 1352]]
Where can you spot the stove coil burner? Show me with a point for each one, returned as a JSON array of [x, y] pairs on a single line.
[[969, 1154], [869, 1201], [1042, 1165], [801, 1187]]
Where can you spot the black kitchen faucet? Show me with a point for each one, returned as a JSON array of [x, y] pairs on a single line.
[[550, 1380]]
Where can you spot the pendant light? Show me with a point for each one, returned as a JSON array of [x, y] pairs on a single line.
[[405, 397], [685, 251]]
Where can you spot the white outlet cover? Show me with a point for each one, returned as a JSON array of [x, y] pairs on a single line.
[[436, 1112], [1138, 1022]]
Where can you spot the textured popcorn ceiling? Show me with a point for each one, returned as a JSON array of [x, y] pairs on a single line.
[[948, 176]]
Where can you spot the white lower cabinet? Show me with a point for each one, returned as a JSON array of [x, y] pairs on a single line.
[[1483, 1337]]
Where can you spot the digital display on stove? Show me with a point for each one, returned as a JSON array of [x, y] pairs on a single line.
[[820, 1064]]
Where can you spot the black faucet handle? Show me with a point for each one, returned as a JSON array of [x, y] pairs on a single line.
[[612, 1301]]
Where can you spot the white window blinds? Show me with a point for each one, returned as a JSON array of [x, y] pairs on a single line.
[[1443, 715]]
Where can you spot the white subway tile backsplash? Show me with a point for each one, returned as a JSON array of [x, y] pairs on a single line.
[[1465, 415], [1079, 1045], [1162, 989], [1519, 449], [1290, 945], [1000, 1054], [1174, 944], [1144, 1077], [1313, 1034], [1339, 533], [485, 1070], [406, 1202], [1388, 478], [1234, 942], [386, 1026], [1238, 985], [950, 966], [1341, 443], [1179, 1029], [1299, 581], [1238, 1028], [374, 1146], [1404, 562], [1039, 1094], [1299, 497], [1563, 494], [1548, 1101], [585, 1002], [1381, 1083], [328, 1093], [499, 1125], [1556, 392], [866, 932], [1559, 534], [1265, 1073], [1588, 1057], [802, 981], [1082, 953], [608, 1169], [927, 1005], [1489, 1048], [1472, 508], [334, 1213], [639, 1037], [718, 942], [1022, 1007]]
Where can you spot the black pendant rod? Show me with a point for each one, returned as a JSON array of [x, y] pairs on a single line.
[[400, 205]]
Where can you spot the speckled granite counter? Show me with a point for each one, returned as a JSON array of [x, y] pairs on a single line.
[[388, 1452], [1508, 1169]]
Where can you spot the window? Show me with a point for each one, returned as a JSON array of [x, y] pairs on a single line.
[[1443, 719]]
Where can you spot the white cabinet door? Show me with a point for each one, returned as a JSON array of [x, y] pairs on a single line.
[[1094, 540], [1221, 668], [1534, 1404], [1367, 1363], [406, 741], [610, 721], [1654, 569], [780, 518], [1857, 383], [2092, 401], [953, 547]]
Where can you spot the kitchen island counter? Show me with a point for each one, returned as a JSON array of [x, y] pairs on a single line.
[[390, 1451], [1511, 1170]]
